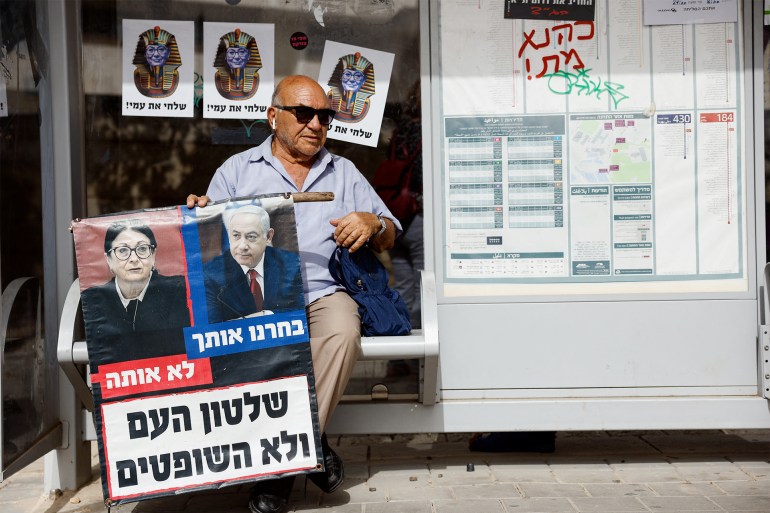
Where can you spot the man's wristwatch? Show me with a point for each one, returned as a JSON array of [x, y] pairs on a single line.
[[382, 224]]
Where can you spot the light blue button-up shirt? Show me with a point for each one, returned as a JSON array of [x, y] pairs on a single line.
[[256, 171]]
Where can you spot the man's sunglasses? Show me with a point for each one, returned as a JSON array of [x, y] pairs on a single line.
[[306, 114]]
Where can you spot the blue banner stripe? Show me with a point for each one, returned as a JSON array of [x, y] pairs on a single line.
[[247, 334], [194, 266]]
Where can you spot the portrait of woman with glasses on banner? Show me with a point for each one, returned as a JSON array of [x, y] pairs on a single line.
[[137, 301]]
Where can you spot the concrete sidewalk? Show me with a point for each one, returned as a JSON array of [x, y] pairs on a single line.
[[629, 471]]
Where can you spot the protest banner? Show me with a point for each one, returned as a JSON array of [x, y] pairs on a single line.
[[198, 347]]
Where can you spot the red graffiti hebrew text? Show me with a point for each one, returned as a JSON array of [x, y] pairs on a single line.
[[564, 32]]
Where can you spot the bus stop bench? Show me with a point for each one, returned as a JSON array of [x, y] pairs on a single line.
[[421, 343]]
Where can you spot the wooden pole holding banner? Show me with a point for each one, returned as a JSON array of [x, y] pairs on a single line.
[[304, 197]]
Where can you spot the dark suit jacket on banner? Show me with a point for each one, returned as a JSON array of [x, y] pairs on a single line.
[[227, 287]]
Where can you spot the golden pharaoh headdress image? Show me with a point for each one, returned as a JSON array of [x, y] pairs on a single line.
[[156, 59], [238, 63], [352, 83]]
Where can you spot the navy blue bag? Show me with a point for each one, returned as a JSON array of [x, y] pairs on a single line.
[[382, 309]]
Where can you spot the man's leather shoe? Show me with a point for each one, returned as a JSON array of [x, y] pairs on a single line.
[[271, 496], [334, 473]]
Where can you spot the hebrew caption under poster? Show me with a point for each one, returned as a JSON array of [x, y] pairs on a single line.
[[198, 347]]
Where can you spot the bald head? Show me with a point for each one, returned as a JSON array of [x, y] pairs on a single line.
[[293, 83]]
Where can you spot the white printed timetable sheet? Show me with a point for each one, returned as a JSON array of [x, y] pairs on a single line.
[[599, 156]]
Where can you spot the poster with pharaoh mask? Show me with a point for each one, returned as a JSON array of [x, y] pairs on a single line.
[[356, 81], [198, 345], [158, 70], [238, 64]]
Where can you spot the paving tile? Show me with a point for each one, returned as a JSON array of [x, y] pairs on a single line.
[[486, 491], [685, 489], [459, 475], [365, 440], [752, 435], [597, 435], [642, 462], [608, 504], [454, 437], [356, 470], [332, 508], [14, 493], [701, 443], [743, 503], [399, 468], [399, 507], [91, 492], [586, 476], [352, 453], [763, 463], [449, 449], [604, 446], [757, 474], [443, 461], [607, 472], [617, 490], [419, 438], [33, 479], [565, 462], [678, 504], [657, 475], [552, 490], [755, 469], [406, 493], [395, 451], [713, 474], [21, 506], [514, 458], [355, 491], [519, 464], [539, 505], [745, 487], [757, 455], [466, 506], [714, 462], [524, 476], [394, 481]]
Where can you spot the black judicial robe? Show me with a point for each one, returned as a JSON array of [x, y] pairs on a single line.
[[154, 329]]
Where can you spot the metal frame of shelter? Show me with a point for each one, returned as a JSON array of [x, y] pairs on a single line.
[[438, 410]]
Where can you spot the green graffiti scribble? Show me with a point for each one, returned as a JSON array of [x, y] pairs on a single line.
[[198, 89], [249, 127], [565, 82]]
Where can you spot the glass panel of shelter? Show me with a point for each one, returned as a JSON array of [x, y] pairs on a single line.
[[21, 223], [134, 162]]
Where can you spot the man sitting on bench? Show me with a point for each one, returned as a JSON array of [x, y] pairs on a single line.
[[294, 160]]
